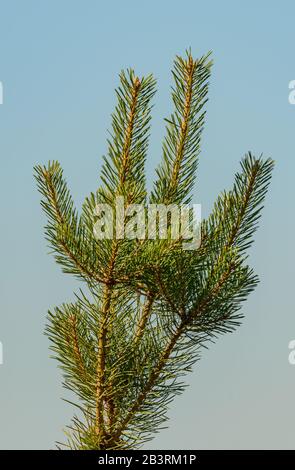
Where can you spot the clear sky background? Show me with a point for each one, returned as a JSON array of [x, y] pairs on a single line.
[[59, 64]]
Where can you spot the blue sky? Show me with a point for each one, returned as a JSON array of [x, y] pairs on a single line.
[[59, 65]]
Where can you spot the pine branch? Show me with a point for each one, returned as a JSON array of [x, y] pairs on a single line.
[[125, 346], [64, 233], [181, 146], [253, 184], [123, 170]]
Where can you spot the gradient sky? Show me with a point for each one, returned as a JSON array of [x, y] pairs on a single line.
[[59, 64]]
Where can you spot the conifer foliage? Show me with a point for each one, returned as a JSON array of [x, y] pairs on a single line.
[[147, 306]]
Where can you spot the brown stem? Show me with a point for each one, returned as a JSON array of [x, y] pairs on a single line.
[[101, 362], [144, 317], [184, 126], [129, 130], [104, 399]]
